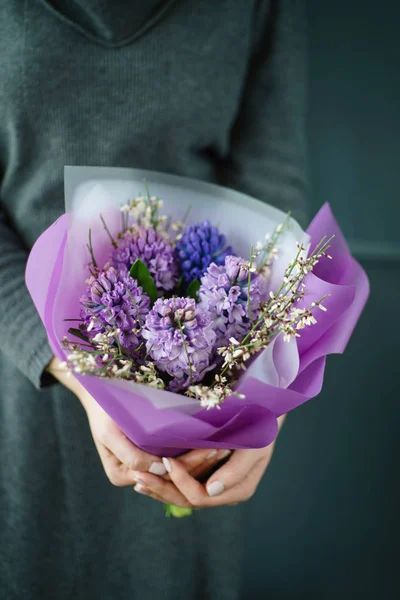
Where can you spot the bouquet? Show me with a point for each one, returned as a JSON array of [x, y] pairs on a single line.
[[198, 327]]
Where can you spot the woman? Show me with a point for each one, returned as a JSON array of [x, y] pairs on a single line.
[[211, 90]]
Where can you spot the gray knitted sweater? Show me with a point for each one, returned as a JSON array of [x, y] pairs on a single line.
[[211, 90]]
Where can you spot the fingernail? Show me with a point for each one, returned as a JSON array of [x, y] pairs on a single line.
[[167, 464], [211, 455], [224, 454], [141, 490], [157, 468], [215, 488], [140, 481]]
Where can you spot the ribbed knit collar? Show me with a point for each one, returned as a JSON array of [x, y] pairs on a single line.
[[110, 23]]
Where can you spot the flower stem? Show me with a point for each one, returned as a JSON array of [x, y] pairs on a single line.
[[114, 243]]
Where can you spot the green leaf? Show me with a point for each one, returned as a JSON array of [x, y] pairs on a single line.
[[141, 273], [177, 511], [150, 288], [192, 289], [78, 333]]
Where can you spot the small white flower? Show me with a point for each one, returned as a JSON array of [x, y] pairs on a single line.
[[100, 338]]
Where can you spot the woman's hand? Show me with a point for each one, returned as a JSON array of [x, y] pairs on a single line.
[[121, 459], [125, 464], [234, 482]]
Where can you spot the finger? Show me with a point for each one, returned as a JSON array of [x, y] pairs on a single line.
[[164, 490], [197, 461], [197, 494], [243, 491], [130, 455], [194, 492], [194, 458], [235, 470], [143, 490], [204, 469], [117, 473]]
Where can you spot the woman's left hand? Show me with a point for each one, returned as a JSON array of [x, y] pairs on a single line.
[[234, 482]]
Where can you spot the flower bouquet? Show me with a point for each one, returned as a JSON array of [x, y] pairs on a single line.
[[200, 327]]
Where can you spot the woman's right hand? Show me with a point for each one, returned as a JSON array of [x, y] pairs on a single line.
[[119, 456]]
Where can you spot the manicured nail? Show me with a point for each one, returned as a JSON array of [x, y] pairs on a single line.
[[140, 481], [140, 489], [167, 464], [157, 468], [211, 455], [215, 488], [224, 454]]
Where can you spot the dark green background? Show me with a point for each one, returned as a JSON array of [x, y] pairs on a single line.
[[324, 523]]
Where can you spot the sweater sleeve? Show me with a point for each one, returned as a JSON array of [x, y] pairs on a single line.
[[268, 140], [23, 336]]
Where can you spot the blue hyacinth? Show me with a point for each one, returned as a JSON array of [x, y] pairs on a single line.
[[201, 245]]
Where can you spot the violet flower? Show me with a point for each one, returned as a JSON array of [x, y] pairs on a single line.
[[224, 296], [179, 338], [151, 248], [113, 300]]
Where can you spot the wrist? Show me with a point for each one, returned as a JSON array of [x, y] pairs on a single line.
[[66, 378]]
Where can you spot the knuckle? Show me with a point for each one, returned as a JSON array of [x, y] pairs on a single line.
[[229, 472], [133, 462], [249, 494], [113, 478]]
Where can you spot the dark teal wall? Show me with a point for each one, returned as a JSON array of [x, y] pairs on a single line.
[[354, 121], [324, 524]]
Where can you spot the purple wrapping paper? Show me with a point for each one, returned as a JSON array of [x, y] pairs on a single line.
[[277, 382]]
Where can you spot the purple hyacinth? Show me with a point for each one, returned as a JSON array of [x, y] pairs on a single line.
[[200, 245], [179, 338], [224, 295], [152, 249], [114, 299]]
